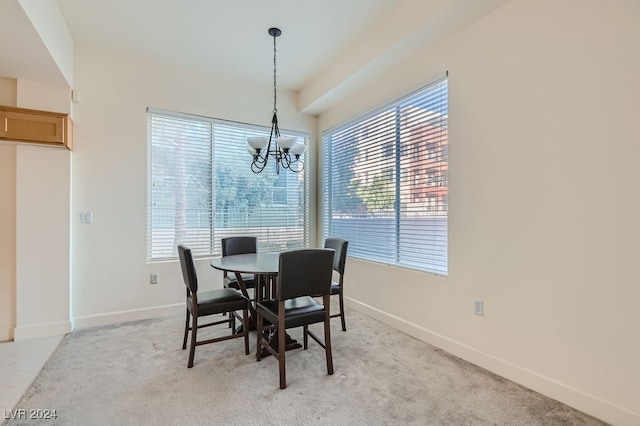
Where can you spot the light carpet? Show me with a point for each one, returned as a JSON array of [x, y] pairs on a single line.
[[135, 373]]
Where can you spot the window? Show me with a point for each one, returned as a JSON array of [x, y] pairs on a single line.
[[201, 189], [385, 177]]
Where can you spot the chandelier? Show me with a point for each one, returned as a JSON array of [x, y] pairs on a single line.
[[285, 150]]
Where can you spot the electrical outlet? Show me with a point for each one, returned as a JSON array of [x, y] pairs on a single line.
[[478, 307], [154, 278], [85, 217]]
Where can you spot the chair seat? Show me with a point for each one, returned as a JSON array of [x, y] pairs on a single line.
[[218, 301], [298, 311], [231, 281]]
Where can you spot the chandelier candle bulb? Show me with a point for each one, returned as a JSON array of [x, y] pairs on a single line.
[[286, 142], [298, 149], [257, 142]]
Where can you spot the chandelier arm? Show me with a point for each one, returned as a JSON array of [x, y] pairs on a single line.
[[275, 130], [260, 159], [259, 163], [255, 168], [286, 160], [299, 163]]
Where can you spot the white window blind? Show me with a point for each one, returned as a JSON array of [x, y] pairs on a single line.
[[201, 189], [385, 182]]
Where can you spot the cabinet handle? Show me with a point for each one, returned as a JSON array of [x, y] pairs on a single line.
[[6, 122]]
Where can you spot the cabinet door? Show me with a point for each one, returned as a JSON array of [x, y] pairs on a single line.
[[24, 126]]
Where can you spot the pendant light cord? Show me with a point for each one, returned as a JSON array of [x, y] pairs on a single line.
[[275, 108]]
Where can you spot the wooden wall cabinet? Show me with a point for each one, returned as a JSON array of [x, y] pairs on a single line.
[[34, 126]]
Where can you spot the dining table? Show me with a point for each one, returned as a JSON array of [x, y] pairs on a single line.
[[264, 267]]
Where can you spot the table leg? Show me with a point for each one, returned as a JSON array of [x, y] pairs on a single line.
[[252, 309], [264, 283], [289, 343]]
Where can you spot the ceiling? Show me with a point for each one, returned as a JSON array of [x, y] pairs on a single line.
[[230, 36], [227, 35]]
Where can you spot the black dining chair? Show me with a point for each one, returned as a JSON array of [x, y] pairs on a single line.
[[238, 245], [209, 303], [301, 275], [337, 287]]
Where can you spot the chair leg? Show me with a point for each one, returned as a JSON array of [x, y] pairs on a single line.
[[192, 348], [327, 337], [232, 320], [259, 322], [245, 330], [344, 324], [281, 350], [305, 337], [186, 331]]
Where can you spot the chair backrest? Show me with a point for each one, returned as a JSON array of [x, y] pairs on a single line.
[[239, 245], [304, 273], [188, 268], [340, 246]]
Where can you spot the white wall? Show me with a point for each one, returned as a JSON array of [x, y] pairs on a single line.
[[7, 222], [543, 217], [110, 271], [43, 202], [8, 91], [47, 20], [7, 241], [42, 241]]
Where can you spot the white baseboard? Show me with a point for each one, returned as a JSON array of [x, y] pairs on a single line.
[[58, 328], [573, 397], [124, 316], [6, 333]]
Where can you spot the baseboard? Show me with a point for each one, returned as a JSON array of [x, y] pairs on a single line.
[[124, 316], [589, 404], [6, 333], [58, 328]]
